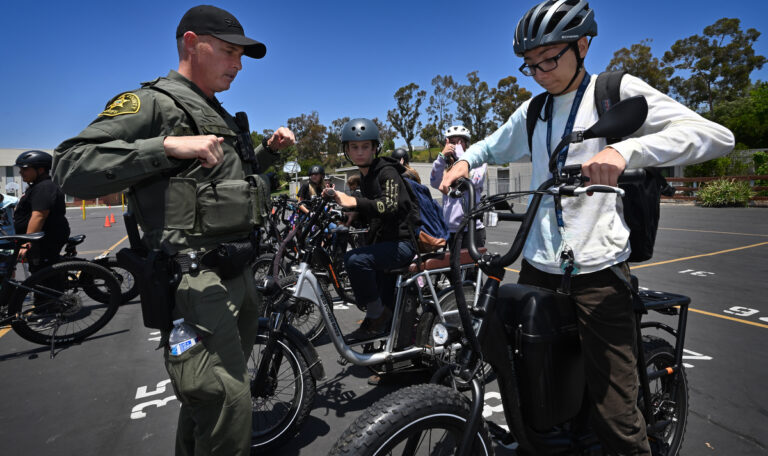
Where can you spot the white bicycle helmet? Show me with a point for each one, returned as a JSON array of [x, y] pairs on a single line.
[[458, 130]]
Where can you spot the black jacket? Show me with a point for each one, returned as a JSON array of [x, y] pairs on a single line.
[[387, 203]]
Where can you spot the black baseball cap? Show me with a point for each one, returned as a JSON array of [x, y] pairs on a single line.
[[210, 20]]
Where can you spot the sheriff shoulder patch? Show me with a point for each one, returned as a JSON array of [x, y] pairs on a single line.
[[380, 206], [127, 103]]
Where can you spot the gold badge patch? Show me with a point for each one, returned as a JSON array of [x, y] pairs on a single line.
[[380, 206], [127, 103]]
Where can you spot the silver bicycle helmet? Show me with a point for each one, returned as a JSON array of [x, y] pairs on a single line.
[[360, 130], [554, 21]]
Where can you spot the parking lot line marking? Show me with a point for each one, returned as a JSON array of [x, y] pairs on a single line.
[[4, 330], [698, 256], [714, 232], [106, 252], [753, 323]]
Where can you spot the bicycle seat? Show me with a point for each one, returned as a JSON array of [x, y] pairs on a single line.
[[23, 237], [441, 260], [76, 240]]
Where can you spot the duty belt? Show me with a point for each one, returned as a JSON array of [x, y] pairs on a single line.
[[194, 262]]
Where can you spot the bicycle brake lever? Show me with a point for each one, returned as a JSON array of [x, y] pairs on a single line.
[[598, 189]]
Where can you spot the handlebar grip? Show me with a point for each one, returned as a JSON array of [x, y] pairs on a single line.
[[632, 175]]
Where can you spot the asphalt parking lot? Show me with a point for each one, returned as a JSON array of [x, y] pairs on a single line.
[[110, 395]]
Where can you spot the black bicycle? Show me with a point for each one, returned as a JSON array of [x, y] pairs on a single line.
[[529, 336], [129, 288], [55, 305]]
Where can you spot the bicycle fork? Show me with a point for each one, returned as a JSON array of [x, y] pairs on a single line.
[[266, 374]]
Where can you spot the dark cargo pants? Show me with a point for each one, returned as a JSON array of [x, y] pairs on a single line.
[[606, 322], [210, 379]]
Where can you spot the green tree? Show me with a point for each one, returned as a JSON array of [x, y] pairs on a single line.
[[405, 117], [508, 97], [473, 105], [333, 142], [638, 61], [310, 136], [432, 137], [715, 67], [747, 117], [439, 108], [386, 133]]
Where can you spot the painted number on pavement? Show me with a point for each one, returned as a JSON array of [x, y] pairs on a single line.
[[696, 273], [143, 392], [692, 355], [741, 311]]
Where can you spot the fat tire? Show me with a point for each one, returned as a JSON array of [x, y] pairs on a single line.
[[297, 373], [76, 313], [393, 418], [660, 354]]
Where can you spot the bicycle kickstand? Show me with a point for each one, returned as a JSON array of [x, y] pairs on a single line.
[[53, 338]]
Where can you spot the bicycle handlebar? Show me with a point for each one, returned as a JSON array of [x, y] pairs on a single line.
[[549, 187]]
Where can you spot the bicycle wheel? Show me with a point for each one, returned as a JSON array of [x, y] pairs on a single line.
[[262, 267], [129, 289], [306, 317], [52, 304], [279, 413], [417, 420], [447, 301], [671, 414]]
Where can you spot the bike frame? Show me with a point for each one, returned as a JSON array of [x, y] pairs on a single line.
[[308, 288], [490, 329]]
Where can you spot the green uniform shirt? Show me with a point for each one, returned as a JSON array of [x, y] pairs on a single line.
[[123, 148]]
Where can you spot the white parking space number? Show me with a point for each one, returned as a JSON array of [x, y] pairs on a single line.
[[741, 311], [142, 392], [696, 273]]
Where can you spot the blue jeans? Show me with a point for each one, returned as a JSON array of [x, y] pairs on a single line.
[[367, 265]]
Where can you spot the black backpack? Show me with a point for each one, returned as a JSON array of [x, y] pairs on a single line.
[[641, 199]]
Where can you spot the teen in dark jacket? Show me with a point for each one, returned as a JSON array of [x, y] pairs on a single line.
[[391, 211]]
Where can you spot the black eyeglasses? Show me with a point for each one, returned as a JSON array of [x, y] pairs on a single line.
[[545, 65]]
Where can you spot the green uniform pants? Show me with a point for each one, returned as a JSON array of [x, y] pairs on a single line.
[[210, 379]]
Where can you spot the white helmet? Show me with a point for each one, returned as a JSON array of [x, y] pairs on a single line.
[[458, 130]]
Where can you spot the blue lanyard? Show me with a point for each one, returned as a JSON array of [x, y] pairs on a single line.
[[563, 154]]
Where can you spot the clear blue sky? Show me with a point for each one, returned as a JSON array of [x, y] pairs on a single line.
[[63, 60]]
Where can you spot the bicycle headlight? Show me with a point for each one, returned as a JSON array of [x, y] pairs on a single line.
[[439, 334]]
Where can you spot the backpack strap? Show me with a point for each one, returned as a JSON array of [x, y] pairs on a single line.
[[607, 93], [533, 114]]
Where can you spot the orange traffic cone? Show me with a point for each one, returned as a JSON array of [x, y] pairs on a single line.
[[111, 217], [106, 222]]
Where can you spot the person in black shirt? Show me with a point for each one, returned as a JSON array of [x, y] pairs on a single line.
[[389, 208], [313, 186], [41, 208]]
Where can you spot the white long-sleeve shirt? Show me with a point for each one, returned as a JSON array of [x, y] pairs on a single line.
[[594, 225]]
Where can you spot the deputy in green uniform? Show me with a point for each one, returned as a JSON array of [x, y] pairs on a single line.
[[178, 152]]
